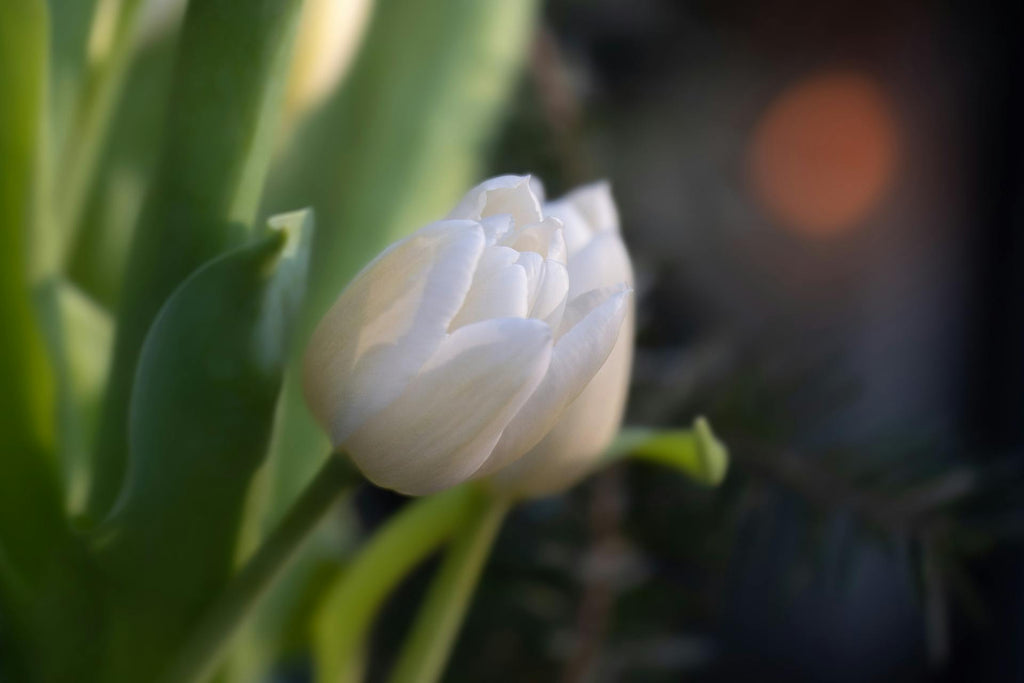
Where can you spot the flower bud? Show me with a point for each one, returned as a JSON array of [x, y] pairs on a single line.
[[597, 259], [457, 350]]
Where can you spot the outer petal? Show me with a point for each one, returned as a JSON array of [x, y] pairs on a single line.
[[583, 432], [387, 323], [597, 206], [443, 427], [586, 212], [517, 196], [578, 355], [575, 229], [604, 262]]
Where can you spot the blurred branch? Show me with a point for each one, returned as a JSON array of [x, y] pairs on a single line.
[[606, 543], [560, 105], [909, 512]]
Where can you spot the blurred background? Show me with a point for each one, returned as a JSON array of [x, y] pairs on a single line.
[[824, 205]]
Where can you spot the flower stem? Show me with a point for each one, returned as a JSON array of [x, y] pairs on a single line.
[[430, 642], [210, 639], [407, 539]]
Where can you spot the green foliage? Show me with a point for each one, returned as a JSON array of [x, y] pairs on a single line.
[[219, 131], [695, 452], [98, 254], [29, 504], [349, 607], [201, 413]]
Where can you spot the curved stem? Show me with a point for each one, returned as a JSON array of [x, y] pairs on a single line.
[[430, 643], [211, 638], [408, 537]]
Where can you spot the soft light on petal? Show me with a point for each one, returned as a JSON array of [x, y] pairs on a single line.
[[583, 432], [597, 206], [387, 323], [517, 196], [439, 431], [578, 355], [602, 263], [500, 289]]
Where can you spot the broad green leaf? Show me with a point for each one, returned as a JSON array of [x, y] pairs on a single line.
[[98, 256], [201, 414], [40, 570], [696, 452], [107, 56], [71, 22], [30, 511], [227, 88], [80, 335]]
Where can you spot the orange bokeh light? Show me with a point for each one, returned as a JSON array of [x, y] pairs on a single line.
[[824, 152]]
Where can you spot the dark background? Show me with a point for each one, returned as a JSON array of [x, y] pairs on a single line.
[[824, 203]]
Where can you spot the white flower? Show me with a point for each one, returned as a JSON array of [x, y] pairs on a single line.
[[457, 350], [597, 259]]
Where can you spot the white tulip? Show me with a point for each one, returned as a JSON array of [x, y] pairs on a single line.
[[597, 258], [458, 349]]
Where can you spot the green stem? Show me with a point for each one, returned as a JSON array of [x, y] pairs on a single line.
[[407, 538], [430, 643], [210, 640]]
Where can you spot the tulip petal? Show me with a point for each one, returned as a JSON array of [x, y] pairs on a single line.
[[387, 323], [500, 289], [602, 263], [516, 196], [575, 229], [597, 206], [544, 238], [551, 293], [578, 355], [582, 434], [439, 431]]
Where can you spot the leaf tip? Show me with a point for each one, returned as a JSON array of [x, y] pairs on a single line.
[[713, 454]]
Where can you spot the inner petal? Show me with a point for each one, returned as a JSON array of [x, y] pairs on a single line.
[[500, 289]]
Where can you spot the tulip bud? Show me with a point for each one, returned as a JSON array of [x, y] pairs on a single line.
[[597, 258], [457, 350]]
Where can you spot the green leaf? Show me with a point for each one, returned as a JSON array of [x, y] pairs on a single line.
[[30, 509], [696, 452], [99, 254], [224, 104], [80, 335], [201, 414]]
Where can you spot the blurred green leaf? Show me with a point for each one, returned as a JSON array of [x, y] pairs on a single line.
[[98, 256], [201, 414], [30, 510], [696, 452], [71, 21], [80, 335], [224, 102]]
